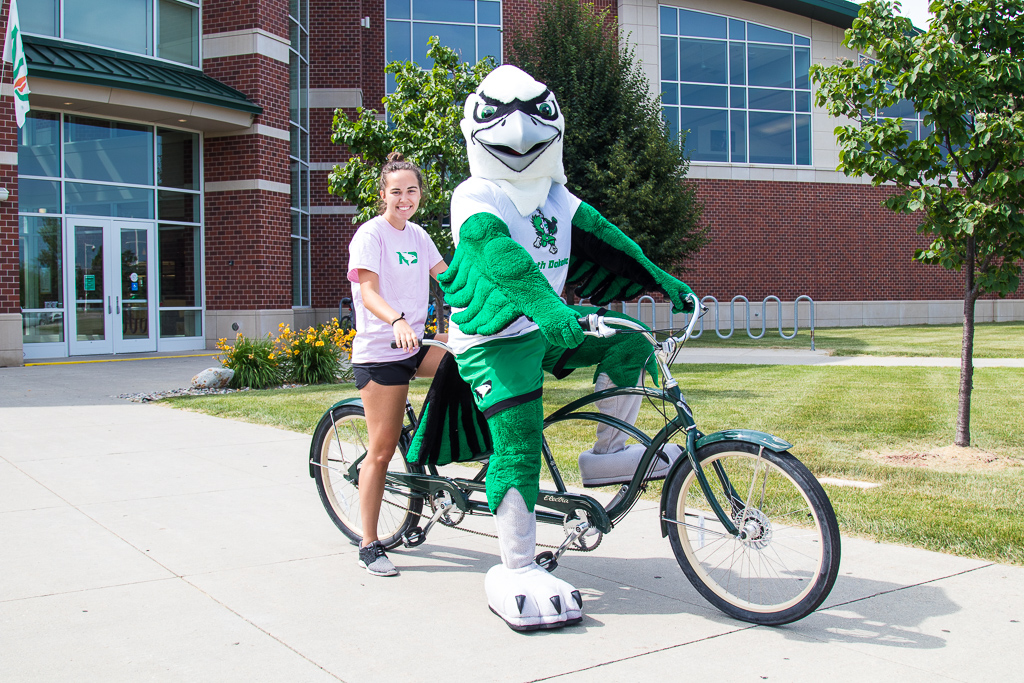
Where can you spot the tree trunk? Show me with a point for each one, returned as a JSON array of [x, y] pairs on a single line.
[[963, 416]]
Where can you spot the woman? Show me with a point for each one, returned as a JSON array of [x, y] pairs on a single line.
[[390, 262]]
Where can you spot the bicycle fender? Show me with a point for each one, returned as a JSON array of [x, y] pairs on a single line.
[[327, 413], [748, 435]]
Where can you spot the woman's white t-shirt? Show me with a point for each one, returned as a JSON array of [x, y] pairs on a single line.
[[402, 260]]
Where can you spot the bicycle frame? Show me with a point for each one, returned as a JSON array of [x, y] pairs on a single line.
[[555, 507]]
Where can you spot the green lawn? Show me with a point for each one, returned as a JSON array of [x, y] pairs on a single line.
[[991, 340], [836, 417]]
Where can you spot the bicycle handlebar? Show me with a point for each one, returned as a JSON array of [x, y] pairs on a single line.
[[595, 326], [425, 342]]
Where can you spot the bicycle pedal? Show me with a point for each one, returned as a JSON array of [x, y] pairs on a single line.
[[546, 560], [413, 537]]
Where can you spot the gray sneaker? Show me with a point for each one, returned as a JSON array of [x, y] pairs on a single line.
[[373, 559]]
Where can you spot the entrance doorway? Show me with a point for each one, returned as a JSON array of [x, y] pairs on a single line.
[[110, 282]]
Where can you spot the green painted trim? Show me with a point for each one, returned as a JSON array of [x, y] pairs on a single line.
[[748, 435], [835, 12], [61, 61], [345, 402]]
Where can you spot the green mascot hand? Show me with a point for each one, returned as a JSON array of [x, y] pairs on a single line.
[[677, 292], [558, 323], [497, 281]]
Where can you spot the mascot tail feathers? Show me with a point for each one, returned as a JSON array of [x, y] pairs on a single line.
[[451, 427]]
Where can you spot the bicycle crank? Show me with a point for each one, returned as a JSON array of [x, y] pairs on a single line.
[[452, 515], [586, 537]]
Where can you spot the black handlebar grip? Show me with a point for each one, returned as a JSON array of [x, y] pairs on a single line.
[[584, 323], [394, 344]]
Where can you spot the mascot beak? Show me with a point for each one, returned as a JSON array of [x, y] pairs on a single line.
[[517, 139]]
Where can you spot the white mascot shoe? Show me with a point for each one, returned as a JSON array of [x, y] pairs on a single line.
[[600, 469], [525, 596], [530, 598], [611, 461]]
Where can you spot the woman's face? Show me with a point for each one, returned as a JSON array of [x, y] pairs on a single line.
[[401, 196]]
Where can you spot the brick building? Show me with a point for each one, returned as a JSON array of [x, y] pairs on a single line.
[[169, 187]]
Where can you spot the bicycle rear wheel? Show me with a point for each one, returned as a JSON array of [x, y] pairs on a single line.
[[786, 559], [341, 439]]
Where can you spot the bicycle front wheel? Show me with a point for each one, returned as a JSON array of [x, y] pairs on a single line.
[[341, 439], [785, 561]]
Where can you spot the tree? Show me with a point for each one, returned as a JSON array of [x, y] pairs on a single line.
[[966, 172], [424, 113], [617, 152]]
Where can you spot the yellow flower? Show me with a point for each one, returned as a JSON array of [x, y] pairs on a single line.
[[271, 355], [319, 343], [250, 356], [296, 352]]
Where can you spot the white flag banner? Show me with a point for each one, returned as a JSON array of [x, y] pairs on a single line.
[[14, 52]]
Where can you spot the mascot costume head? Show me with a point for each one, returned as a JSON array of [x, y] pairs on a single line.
[[514, 130], [521, 238]]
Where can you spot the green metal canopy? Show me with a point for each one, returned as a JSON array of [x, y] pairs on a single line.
[[55, 59], [835, 12]]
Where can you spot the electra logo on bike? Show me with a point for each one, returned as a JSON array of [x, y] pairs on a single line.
[[483, 390], [555, 499]]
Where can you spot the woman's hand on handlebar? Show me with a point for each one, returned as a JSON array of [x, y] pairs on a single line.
[[405, 338]]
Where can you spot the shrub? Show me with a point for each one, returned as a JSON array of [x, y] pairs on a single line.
[[316, 355], [253, 360]]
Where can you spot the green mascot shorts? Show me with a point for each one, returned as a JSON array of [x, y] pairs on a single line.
[[508, 372]]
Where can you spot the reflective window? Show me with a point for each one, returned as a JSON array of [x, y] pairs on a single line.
[[739, 91], [471, 27], [168, 29], [178, 32], [39, 16], [298, 19], [38, 196], [108, 151], [39, 145], [177, 159], [119, 24], [75, 165], [41, 252], [180, 247], [117, 201]]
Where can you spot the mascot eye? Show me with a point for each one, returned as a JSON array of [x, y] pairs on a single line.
[[546, 110], [487, 111]]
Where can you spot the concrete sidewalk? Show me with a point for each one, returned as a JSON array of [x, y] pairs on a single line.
[[142, 542]]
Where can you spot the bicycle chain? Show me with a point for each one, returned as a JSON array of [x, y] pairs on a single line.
[[495, 536]]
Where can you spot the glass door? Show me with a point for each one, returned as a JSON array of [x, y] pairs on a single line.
[[110, 276], [134, 303]]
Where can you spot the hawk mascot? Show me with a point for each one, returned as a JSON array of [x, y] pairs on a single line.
[[520, 237]]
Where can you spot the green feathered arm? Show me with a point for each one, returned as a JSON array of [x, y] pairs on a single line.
[[496, 281], [607, 266]]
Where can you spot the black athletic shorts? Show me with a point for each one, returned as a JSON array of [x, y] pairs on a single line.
[[390, 373]]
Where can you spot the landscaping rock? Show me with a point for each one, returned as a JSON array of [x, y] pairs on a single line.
[[213, 378]]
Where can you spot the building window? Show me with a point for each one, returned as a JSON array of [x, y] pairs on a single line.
[[72, 165], [471, 27], [298, 22], [168, 29], [741, 90], [913, 120]]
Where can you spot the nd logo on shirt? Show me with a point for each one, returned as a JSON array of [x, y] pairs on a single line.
[[407, 258]]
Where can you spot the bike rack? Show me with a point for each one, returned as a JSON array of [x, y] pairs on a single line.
[[732, 315]]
